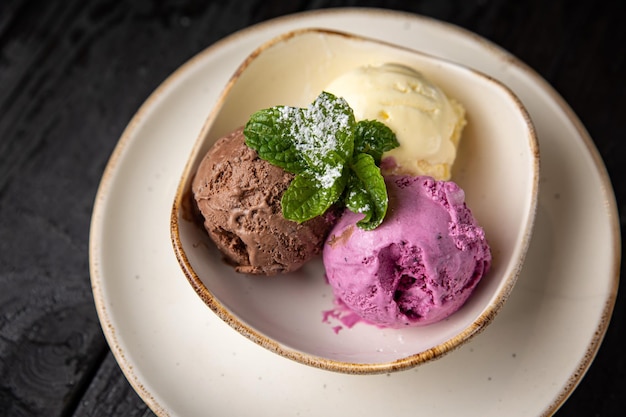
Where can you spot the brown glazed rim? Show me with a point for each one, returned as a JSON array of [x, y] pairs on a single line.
[[214, 304]]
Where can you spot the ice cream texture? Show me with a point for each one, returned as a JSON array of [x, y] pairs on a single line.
[[238, 195], [426, 122], [419, 266]]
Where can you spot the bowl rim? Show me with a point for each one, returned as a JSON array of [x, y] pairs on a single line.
[[478, 325]]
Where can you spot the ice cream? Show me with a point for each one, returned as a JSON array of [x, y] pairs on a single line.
[[419, 266], [238, 194], [426, 122]]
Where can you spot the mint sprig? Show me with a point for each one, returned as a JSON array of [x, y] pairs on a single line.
[[334, 158], [366, 191]]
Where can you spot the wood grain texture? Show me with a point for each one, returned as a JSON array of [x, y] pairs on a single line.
[[110, 394], [72, 74]]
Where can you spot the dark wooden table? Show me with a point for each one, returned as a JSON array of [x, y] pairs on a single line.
[[72, 74]]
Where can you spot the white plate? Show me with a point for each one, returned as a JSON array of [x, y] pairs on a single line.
[[184, 361]]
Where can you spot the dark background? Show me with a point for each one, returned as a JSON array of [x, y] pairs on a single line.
[[73, 73]]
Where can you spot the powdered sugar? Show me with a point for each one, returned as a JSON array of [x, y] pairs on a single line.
[[314, 133], [329, 176]]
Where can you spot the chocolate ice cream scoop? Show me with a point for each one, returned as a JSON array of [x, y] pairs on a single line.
[[239, 196]]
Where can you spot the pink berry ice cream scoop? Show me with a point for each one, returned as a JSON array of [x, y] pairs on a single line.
[[419, 266]]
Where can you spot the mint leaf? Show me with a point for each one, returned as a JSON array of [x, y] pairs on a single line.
[[305, 199], [268, 133], [332, 155], [374, 138], [366, 192], [324, 132]]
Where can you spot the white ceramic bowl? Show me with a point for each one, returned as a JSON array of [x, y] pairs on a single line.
[[497, 166]]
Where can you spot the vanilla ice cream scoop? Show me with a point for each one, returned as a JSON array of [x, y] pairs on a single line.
[[426, 122]]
